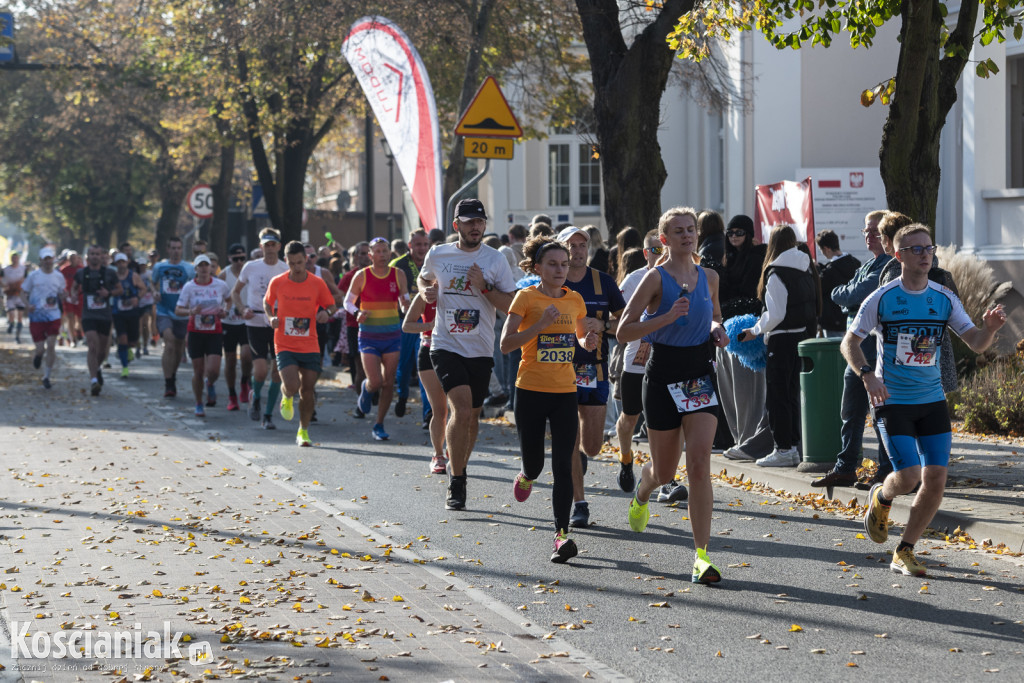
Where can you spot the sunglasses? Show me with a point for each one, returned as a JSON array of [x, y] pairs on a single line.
[[917, 249], [736, 233], [238, 258], [657, 251], [378, 240]]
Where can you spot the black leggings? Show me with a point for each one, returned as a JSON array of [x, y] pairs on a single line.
[[782, 388], [534, 409]]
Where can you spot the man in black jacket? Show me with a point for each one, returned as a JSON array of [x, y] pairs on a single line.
[[839, 270]]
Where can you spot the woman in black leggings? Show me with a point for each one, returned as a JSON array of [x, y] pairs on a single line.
[[545, 320]]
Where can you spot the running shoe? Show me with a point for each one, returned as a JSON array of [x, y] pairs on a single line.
[[438, 465], [522, 487], [244, 393], [905, 562], [580, 517], [233, 403], [170, 390], [400, 406], [124, 373], [131, 355], [790, 457], [47, 384], [200, 411], [211, 396], [365, 403], [99, 376], [267, 423], [638, 515], [287, 408], [145, 350], [358, 413], [378, 432], [254, 407], [427, 418], [456, 493], [627, 482], [672, 492], [37, 361], [565, 548], [737, 453], [95, 388], [703, 571], [876, 519], [302, 438]]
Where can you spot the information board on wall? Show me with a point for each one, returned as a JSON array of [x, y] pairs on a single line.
[[842, 197]]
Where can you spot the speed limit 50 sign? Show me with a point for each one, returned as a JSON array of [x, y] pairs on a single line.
[[200, 201]]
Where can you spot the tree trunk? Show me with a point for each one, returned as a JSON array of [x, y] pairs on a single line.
[[925, 92], [628, 85], [170, 214], [221, 200]]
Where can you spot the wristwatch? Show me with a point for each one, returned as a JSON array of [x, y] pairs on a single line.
[[865, 369]]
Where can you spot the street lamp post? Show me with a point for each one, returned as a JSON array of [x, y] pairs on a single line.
[[391, 187]]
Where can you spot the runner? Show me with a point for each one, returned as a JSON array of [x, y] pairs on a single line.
[[680, 405], [322, 329], [97, 283], [544, 321], [302, 300], [410, 264], [147, 320], [360, 259], [169, 276], [420, 318], [468, 281], [909, 317], [380, 290], [254, 279], [44, 289], [204, 301], [13, 276], [126, 310], [631, 382], [604, 304], [236, 339], [72, 309]]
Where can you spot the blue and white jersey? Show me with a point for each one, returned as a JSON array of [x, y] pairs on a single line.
[[909, 327]]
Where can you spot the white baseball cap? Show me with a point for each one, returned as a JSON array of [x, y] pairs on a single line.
[[120, 256], [566, 233], [47, 252], [202, 258]]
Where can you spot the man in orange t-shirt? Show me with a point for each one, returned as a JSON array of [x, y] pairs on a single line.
[[294, 303]]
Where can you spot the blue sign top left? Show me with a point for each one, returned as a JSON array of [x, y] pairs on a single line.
[[6, 37]]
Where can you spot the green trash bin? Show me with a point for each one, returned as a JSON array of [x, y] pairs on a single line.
[[821, 397]]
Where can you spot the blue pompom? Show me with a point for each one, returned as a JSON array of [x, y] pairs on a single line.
[[751, 354], [528, 281]]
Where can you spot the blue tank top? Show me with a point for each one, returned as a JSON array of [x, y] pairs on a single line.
[[130, 292], [691, 329]]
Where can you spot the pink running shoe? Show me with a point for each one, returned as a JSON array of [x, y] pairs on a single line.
[[233, 403], [522, 487], [438, 465]]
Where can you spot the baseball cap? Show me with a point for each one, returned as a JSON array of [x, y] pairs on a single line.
[[468, 209], [270, 237], [236, 248], [569, 232], [120, 256], [47, 252], [202, 258]]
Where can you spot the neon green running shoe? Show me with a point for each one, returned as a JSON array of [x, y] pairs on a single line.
[[302, 438], [703, 571], [638, 515], [287, 409]]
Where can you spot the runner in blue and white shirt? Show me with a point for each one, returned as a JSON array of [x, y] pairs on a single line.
[[909, 316]]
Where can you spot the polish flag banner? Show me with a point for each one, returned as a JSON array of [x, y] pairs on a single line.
[[788, 202], [398, 88]]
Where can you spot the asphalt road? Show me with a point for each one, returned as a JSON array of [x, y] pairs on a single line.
[[802, 596]]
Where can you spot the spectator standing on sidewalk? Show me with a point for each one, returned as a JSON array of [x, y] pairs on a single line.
[[837, 271]]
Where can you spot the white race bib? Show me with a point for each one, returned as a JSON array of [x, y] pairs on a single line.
[[555, 348], [96, 303], [205, 322], [916, 350], [462, 322], [693, 394], [296, 327], [586, 376]]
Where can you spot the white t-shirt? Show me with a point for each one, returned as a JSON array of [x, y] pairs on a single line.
[[43, 291], [209, 298], [465, 318], [629, 287], [256, 276], [232, 318]]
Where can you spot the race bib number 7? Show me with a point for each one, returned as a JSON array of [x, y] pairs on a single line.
[[916, 350], [693, 394], [462, 321]]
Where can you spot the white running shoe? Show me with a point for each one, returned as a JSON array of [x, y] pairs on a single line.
[[787, 458]]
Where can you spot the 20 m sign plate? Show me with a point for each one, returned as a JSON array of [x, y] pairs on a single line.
[[489, 148]]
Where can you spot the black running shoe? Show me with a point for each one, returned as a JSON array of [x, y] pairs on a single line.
[[267, 423], [46, 383], [400, 406], [95, 389], [37, 361], [456, 493], [627, 482], [99, 376]]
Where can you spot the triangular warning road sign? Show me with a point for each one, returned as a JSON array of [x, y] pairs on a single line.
[[489, 115]]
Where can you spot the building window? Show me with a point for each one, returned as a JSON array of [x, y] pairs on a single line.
[[590, 176], [1015, 124], [558, 175]]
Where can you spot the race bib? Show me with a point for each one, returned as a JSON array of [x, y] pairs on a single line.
[[693, 394], [95, 302], [586, 376], [296, 327], [555, 348], [206, 322], [50, 304], [643, 352], [125, 304], [168, 286], [916, 350], [425, 341], [462, 321]]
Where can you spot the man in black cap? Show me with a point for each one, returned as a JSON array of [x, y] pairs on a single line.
[[236, 335], [469, 281]]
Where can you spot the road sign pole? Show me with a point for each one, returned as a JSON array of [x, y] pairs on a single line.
[[449, 211]]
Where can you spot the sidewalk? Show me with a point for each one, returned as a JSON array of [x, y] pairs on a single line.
[[121, 510]]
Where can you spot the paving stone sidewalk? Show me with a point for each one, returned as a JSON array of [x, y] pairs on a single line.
[[118, 511]]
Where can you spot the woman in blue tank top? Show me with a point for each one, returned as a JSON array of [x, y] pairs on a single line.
[[676, 309]]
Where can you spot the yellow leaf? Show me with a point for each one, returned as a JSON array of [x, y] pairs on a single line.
[[244, 601], [398, 598], [861, 537], [157, 593], [796, 628], [115, 615]]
